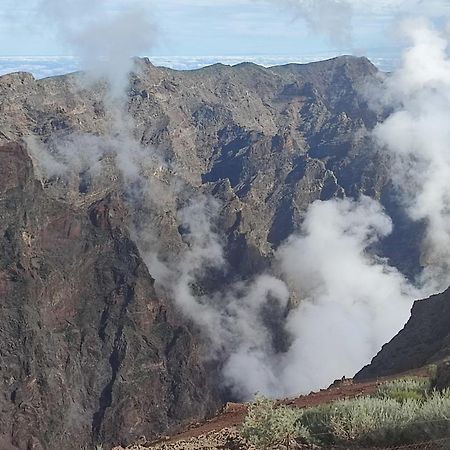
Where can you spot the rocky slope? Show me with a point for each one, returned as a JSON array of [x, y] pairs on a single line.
[[267, 140], [424, 340], [88, 350], [223, 431]]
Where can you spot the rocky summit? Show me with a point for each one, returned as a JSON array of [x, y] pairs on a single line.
[[266, 142], [89, 351]]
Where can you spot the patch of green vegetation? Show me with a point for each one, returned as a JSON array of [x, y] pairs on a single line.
[[362, 421], [406, 411], [267, 424], [413, 388]]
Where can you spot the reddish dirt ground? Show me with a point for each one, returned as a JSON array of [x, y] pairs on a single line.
[[233, 413]]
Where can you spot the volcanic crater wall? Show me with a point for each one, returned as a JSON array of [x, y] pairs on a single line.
[[89, 352]]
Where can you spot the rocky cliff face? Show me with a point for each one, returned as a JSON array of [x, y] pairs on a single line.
[[424, 340], [266, 140], [88, 351]]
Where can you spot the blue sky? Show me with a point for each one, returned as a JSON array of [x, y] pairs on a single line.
[[199, 27], [247, 28]]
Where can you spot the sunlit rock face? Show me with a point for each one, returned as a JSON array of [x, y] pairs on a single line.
[[91, 351], [88, 350], [268, 141]]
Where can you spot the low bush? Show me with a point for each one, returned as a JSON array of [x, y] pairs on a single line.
[[432, 420], [441, 376], [413, 388], [267, 424], [402, 412], [365, 421]]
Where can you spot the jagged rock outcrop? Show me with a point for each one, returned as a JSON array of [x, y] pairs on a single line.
[[425, 339], [267, 140], [87, 350]]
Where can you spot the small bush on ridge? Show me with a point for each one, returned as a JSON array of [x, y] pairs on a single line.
[[267, 424], [402, 412], [412, 388]]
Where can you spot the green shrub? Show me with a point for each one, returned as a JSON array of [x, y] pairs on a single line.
[[393, 416], [413, 388], [372, 420], [317, 421], [267, 424], [433, 418], [441, 376], [432, 370], [363, 420]]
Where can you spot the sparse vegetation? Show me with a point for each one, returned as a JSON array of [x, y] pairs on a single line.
[[365, 420], [401, 412], [267, 424], [441, 375], [413, 388]]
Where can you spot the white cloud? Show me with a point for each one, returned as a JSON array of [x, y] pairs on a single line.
[[418, 137], [337, 19], [351, 302], [103, 38]]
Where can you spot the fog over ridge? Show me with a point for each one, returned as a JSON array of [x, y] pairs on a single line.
[[358, 297]]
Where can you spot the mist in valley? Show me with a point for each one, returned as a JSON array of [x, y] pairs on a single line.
[[338, 300]]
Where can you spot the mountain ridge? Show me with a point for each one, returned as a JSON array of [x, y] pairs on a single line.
[[264, 142]]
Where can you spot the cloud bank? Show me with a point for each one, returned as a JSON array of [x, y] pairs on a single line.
[[352, 302], [347, 301], [335, 19], [104, 39], [418, 138]]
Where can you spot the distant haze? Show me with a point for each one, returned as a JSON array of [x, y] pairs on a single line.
[[47, 66]]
